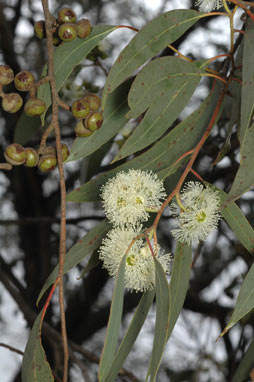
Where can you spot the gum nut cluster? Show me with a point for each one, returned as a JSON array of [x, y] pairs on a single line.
[[68, 28], [139, 268], [86, 110], [200, 215], [16, 155], [23, 81], [208, 5], [129, 197]]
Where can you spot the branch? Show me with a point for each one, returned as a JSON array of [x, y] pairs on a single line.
[[55, 124]]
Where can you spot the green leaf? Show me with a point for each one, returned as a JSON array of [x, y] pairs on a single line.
[[179, 282], [149, 41], [237, 222], [245, 301], [114, 323], [35, 367], [163, 154], [247, 102], [171, 81], [131, 334], [67, 56], [159, 78], [244, 178], [25, 128], [91, 264], [245, 366], [114, 119], [78, 252], [162, 320]]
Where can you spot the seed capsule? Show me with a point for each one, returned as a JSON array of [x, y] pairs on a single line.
[[81, 131], [34, 107], [24, 80], [93, 100], [94, 121], [32, 157], [47, 163], [6, 75], [67, 32], [12, 102], [39, 29], [80, 109], [65, 151], [15, 154], [66, 15], [84, 28]]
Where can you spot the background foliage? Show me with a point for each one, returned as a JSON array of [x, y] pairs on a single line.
[[30, 200]]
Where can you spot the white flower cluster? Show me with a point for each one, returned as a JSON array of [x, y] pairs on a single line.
[[139, 267], [200, 215], [127, 200], [208, 5], [130, 196]]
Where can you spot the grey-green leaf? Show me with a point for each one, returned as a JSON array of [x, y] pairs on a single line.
[[164, 86], [179, 282], [245, 366], [150, 40], [35, 367], [245, 301], [131, 334], [162, 320], [244, 178], [237, 222], [78, 252], [247, 100], [114, 323]]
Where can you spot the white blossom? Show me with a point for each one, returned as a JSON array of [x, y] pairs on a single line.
[[208, 5], [200, 215], [130, 196], [139, 268]]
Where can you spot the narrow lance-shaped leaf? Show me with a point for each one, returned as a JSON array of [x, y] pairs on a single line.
[[179, 282], [178, 287], [78, 252], [149, 41], [246, 365], [91, 264], [171, 81], [163, 154], [237, 222], [69, 55], [244, 178], [162, 320], [244, 302], [114, 323], [131, 334], [35, 367], [247, 99]]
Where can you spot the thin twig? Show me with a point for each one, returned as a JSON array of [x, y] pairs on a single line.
[[55, 124], [11, 348]]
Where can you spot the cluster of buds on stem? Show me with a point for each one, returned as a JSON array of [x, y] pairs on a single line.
[[66, 27], [23, 81], [16, 155], [86, 110]]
